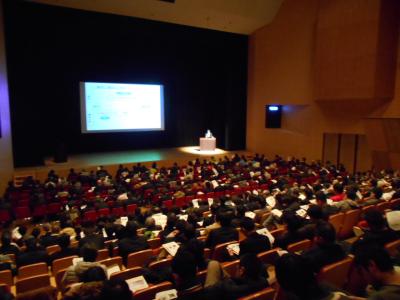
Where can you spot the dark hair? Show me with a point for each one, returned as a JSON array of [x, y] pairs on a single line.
[[6, 238], [296, 276], [366, 253], [64, 241], [89, 253], [225, 217], [184, 264], [252, 265], [116, 289], [131, 228], [378, 192], [374, 219], [320, 196], [351, 194], [326, 231], [94, 274], [247, 224], [35, 232], [315, 212], [338, 188]]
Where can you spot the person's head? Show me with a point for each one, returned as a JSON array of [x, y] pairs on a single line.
[[373, 262], [338, 188], [374, 219], [30, 244], [377, 192], [6, 238], [250, 266], [315, 212], [324, 233], [225, 218], [22, 230], [150, 223], [89, 253], [94, 274], [247, 225], [116, 289], [321, 198], [294, 275], [184, 265], [292, 221], [64, 241], [171, 221], [189, 231], [352, 195], [35, 232], [131, 228]]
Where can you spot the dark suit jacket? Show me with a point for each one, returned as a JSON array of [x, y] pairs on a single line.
[[221, 235], [95, 240], [255, 243], [32, 257], [130, 245], [48, 240], [321, 255], [63, 253]]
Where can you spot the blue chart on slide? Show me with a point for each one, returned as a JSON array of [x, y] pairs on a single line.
[[121, 107]]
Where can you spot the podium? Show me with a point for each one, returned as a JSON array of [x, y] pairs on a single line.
[[208, 144]]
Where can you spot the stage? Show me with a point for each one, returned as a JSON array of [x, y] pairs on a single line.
[[111, 160]]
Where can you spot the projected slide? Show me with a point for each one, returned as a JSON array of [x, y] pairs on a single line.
[[110, 107]]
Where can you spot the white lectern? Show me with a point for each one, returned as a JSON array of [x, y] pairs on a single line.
[[208, 144]]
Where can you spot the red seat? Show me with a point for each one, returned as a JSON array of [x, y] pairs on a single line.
[[39, 211], [4, 216], [118, 211], [23, 202], [168, 203], [103, 212], [131, 208], [22, 212], [90, 216], [180, 201], [53, 208]]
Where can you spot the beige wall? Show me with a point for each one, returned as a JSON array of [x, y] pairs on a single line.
[[6, 159], [282, 70]]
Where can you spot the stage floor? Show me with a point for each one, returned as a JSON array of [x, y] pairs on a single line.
[[110, 160]]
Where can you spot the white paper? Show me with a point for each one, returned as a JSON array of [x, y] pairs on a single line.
[[167, 295], [233, 248], [196, 203], [210, 201], [265, 232], [183, 217], [359, 195], [171, 248], [282, 252], [137, 283], [250, 214], [214, 183], [112, 269], [15, 234], [104, 233], [251, 174], [301, 212], [160, 219], [313, 201], [124, 220], [302, 197], [329, 201], [271, 201], [200, 223], [76, 260], [305, 207], [277, 212]]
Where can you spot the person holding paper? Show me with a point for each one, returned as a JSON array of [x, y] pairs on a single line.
[[131, 242], [225, 233], [254, 242]]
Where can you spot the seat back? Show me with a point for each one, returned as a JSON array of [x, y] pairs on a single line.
[[299, 246], [268, 257], [118, 211], [4, 216], [62, 263], [103, 212], [201, 276], [232, 268], [117, 260], [351, 219], [127, 274], [220, 253], [150, 292], [131, 208], [139, 259], [160, 264], [6, 277], [154, 243], [53, 249], [337, 221], [22, 212], [90, 216], [32, 283], [102, 254], [382, 206], [32, 270], [336, 273], [265, 294], [58, 279], [393, 248]]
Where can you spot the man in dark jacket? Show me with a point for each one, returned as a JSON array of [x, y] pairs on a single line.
[[254, 242], [32, 255], [131, 242], [226, 233]]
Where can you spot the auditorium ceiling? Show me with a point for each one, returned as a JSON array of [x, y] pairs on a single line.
[[237, 16]]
